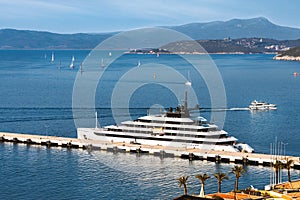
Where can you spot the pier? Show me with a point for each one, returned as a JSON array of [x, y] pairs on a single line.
[[192, 154]]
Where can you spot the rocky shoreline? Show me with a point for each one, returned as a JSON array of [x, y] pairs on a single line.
[[288, 58]]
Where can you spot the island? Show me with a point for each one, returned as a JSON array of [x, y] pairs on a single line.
[[223, 46], [293, 54]]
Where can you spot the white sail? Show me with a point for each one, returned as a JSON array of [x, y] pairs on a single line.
[[81, 69], [72, 63], [52, 57]]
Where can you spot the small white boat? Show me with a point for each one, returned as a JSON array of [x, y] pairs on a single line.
[[139, 64], [259, 105], [188, 82], [72, 63]]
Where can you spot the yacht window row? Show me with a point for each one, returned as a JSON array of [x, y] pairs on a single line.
[[172, 128], [167, 133], [165, 139], [172, 122]]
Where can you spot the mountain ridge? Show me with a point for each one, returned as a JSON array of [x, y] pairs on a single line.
[[235, 28], [238, 28], [29, 39]]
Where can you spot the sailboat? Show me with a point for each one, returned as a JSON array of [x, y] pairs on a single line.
[[81, 69], [72, 63], [188, 82], [52, 57], [102, 63], [139, 64]]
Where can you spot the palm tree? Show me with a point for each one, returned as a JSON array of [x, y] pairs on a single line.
[[277, 167], [220, 177], [289, 164], [182, 182], [238, 171], [202, 178]]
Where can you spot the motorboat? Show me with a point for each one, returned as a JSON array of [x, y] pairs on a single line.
[[260, 105]]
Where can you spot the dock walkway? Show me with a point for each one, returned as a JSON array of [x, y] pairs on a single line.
[[191, 154]]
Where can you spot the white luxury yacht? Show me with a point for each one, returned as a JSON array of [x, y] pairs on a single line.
[[175, 128], [257, 105]]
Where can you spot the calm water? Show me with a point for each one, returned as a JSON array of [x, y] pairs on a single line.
[[36, 97]]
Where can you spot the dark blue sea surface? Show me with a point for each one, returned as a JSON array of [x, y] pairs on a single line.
[[36, 98]]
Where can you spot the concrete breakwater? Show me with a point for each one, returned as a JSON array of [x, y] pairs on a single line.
[[191, 154]]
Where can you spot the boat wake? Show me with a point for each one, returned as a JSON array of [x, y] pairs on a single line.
[[238, 109], [222, 109]]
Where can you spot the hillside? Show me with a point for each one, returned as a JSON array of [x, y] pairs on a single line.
[[292, 54], [238, 28], [23, 39], [227, 45]]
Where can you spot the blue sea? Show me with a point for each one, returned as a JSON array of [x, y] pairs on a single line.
[[36, 98]]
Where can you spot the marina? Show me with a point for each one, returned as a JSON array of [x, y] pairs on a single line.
[[255, 159], [126, 100], [56, 170]]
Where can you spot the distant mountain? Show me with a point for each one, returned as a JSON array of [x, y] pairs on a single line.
[[238, 28], [218, 30], [23, 39]]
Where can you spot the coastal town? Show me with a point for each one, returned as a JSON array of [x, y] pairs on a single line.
[[283, 50]]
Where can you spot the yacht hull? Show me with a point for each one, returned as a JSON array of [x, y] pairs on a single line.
[[99, 134]]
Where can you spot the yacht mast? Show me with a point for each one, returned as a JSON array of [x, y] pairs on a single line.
[[96, 119]]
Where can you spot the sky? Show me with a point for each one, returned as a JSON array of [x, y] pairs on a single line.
[[96, 16]]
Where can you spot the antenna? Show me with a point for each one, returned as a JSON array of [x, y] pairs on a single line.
[[185, 101]]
